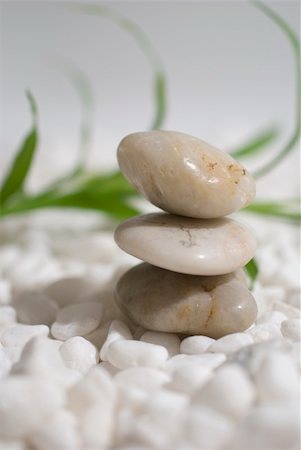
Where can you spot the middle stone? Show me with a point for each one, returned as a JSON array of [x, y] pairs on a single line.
[[185, 245]]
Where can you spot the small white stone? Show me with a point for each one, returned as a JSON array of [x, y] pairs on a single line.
[[264, 332], [19, 335], [41, 358], [79, 354], [96, 427], [231, 343], [252, 356], [194, 345], [277, 379], [128, 353], [35, 308], [118, 330], [205, 429], [165, 403], [168, 340], [96, 388], [145, 378], [25, 403], [207, 360], [7, 315], [268, 427], [131, 396], [5, 363], [77, 320], [189, 380], [59, 432], [5, 292], [229, 392], [70, 290], [273, 317], [291, 329]]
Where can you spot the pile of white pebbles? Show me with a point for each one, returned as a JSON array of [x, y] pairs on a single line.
[[65, 385]]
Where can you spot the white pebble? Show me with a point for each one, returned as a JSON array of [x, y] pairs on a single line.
[[291, 329], [264, 332], [168, 340], [191, 379], [118, 330], [229, 392], [96, 387], [35, 308], [274, 317], [41, 358], [19, 335], [25, 403], [5, 363], [268, 428], [277, 378], [77, 320], [145, 378], [205, 429], [5, 292], [231, 343], [208, 360], [7, 315], [128, 353], [59, 432], [70, 290], [193, 345], [96, 427], [79, 354]]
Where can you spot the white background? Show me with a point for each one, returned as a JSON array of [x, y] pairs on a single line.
[[230, 74]]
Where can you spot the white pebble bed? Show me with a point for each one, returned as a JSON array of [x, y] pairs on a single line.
[[75, 374]]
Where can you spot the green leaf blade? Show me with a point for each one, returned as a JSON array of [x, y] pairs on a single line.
[[256, 144], [14, 181], [252, 270]]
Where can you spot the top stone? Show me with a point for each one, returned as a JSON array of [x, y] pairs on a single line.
[[184, 175]]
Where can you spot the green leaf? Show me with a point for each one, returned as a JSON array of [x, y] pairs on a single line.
[[107, 193], [256, 144], [147, 48], [83, 87], [295, 46], [288, 209], [160, 102], [16, 176], [252, 271]]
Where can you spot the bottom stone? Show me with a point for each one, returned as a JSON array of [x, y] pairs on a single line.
[[161, 300]]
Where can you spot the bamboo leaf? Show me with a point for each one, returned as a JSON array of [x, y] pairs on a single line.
[[257, 144], [289, 209], [295, 46], [252, 271], [142, 40], [16, 176]]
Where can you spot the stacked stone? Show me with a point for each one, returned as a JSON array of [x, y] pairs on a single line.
[[192, 280]]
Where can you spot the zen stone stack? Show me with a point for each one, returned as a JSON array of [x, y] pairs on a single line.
[[191, 280]]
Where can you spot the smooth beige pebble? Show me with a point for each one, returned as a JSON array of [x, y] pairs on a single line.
[[183, 175], [192, 246], [162, 300]]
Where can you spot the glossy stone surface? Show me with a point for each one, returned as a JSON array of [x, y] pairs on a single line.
[[162, 300], [183, 175], [192, 246]]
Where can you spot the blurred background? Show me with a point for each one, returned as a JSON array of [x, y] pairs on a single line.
[[229, 69]]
